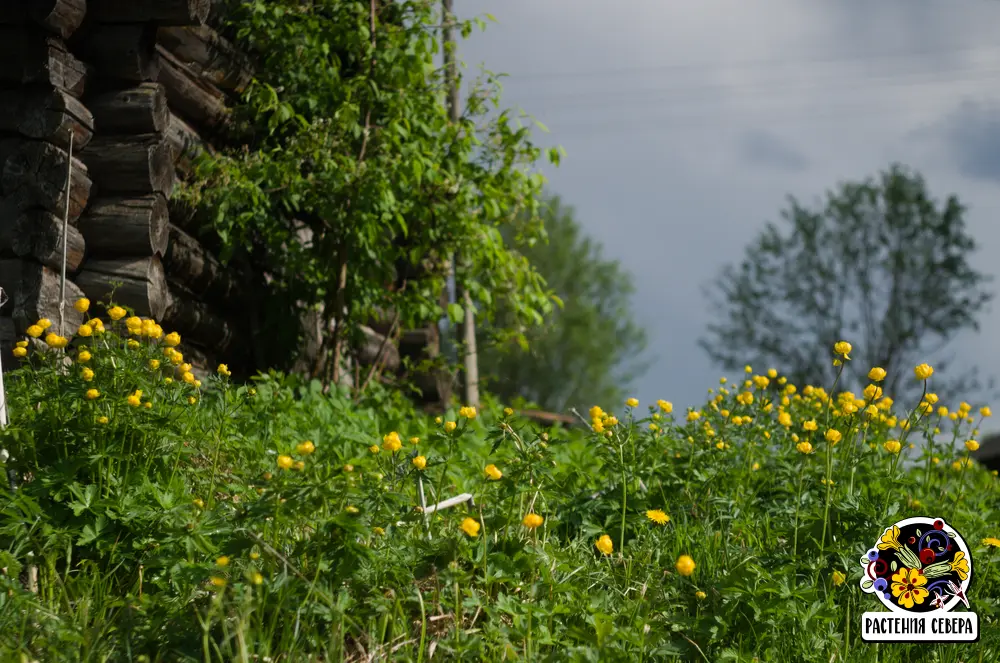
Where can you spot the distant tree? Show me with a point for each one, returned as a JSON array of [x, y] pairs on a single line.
[[587, 351], [880, 264]]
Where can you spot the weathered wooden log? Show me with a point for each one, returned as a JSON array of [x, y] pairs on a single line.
[[38, 234], [122, 52], [192, 266], [61, 17], [136, 110], [367, 352], [197, 101], [208, 55], [33, 174], [143, 286], [140, 164], [186, 144], [28, 55], [196, 322], [48, 114], [34, 291], [164, 12], [124, 227]]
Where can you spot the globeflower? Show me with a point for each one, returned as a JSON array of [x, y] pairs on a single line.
[[471, 527], [493, 473], [923, 371], [833, 436], [804, 447], [172, 339], [305, 448], [84, 330], [842, 349], [665, 406], [34, 331], [892, 446], [285, 462], [20, 352], [56, 341], [532, 520], [467, 412], [632, 402], [223, 370], [419, 462], [685, 565], [605, 545], [450, 426], [391, 442], [972, 445], [92, 394], [82, 305]]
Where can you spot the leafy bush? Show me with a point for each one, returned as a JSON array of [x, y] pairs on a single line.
[[171, 520]]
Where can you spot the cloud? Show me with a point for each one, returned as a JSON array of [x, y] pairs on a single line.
[[766, 149], [972, 138]]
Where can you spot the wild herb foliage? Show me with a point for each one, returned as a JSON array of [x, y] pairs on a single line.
[[350, 140], [171, 520]]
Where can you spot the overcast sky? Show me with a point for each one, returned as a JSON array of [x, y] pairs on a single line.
[[686, 124]]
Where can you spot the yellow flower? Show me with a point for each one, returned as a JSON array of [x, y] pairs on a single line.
[[700, 595], [20, 352], [87, 374], [468, 412], [198, 502], [985, 411], [391, 442], [598, 427], [223, 370], [873, 392], [532, 520], [842, 348], [923, 371], [414, 440], [102, 420], [838, 578], [972, 445], [34, 331], [373, 448], [300, 465], [665, 406], [908, 586], [892, 446], [82, 304], [437, 420], [116, 313], [755, 467], [471, 527], [877, 374], [508, 411], [658, 516], [419, 462], [191, 399], [44, 323], [97, 325], [450, 426], [804, 447], [285, 462], [761, 382], [256, 578], [693, 415], [492, 472], [172, 339], [748, 369], [991, 541], [134, 324], [56, 341], [222, 561], [810, 425], [685, 565], [889, 539], [833, 436], [133, 344], [305, 448], [134, 399], [632, 402], [84, 330], [605, 545], [92, 394], [217, 581]]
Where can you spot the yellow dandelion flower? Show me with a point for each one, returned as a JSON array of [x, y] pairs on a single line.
[[991, 541], [658, 516]]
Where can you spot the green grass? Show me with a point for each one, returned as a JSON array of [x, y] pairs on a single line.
[[127, 520]]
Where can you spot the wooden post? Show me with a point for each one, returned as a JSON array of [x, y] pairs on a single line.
[[467, 332]]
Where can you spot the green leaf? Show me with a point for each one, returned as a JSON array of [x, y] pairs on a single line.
[[456, 312]]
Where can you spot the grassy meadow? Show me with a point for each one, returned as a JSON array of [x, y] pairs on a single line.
[[174, 520]]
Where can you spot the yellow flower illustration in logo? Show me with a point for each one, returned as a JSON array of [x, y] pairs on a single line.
[[908, 586], [890, 539]]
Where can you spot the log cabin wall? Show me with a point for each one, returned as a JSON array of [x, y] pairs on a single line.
[[117, 95]]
